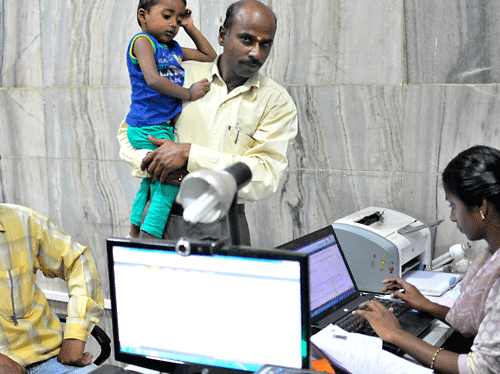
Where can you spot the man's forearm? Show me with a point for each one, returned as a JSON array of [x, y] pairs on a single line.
[[267, 169], [9, 366], [73, 353]]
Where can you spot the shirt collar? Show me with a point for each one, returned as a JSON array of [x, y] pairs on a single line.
[[253, 81], [2, 229]]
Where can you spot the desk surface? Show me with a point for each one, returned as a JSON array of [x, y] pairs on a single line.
[[437, 335]]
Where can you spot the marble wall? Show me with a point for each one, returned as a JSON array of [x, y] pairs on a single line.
[[388, 91]]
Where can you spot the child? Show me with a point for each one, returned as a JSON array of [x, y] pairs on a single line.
[[156, 76]]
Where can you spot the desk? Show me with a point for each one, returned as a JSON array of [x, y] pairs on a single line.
[[350, 355], [440, 331], [141, 370], [359, 353], [437, 335]]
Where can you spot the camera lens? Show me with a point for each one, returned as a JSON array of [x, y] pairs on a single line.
[[183, 247]]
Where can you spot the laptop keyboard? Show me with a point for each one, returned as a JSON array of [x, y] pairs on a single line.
[[354, 323]]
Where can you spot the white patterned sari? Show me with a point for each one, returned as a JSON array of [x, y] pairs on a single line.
[[476, 312]]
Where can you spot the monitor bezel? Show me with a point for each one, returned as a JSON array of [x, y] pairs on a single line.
[[189, 368]]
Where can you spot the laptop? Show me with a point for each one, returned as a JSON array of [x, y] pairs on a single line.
[[214, 310], [334, 293]]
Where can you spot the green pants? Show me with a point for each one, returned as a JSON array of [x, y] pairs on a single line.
[[162, 195]]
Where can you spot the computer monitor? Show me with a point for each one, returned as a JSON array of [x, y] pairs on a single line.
[[230, 312]]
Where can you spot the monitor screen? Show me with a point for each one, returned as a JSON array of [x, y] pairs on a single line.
[[233, 311], [330, 279], [331, 282]]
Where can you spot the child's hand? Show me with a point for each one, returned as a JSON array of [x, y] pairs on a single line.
[[199, 89], [187, 20]]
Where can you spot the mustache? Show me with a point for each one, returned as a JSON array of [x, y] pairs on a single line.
[[250, 61]]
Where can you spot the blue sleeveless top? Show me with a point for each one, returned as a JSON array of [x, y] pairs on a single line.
[[149, 107]]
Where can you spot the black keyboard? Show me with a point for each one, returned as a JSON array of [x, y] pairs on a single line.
[[354, 323]]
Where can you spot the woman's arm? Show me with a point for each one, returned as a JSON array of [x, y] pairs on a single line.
[[204, 51], [444, 361], [386, 325], [400, 289]]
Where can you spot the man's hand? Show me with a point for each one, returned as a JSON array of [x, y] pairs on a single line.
[[175, 178], [73, 353], [163, 161], [9, 366]]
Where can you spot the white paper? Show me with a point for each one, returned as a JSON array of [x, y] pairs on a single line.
[[362, 354], [431, 283]]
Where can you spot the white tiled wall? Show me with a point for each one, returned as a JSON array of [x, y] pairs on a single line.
[[388, 91]]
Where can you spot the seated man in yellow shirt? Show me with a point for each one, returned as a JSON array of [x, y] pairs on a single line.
[[31, 338], [245, 117]]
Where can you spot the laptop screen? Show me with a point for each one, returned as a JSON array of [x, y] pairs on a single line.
[[217, 311], [330, 279]]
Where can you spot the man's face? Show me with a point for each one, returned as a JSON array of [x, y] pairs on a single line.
[[248, 43]]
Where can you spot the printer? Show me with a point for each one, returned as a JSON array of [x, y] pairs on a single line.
[[381, 243]]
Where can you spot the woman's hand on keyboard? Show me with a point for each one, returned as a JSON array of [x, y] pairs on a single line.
[[400, 289], [381, 319]]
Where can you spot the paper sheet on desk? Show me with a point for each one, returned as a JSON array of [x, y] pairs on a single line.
[[361, 354], [448, 298], [432, 283]]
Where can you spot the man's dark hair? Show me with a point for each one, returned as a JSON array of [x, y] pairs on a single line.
[[234, 9], [474, 175], [147, 4]]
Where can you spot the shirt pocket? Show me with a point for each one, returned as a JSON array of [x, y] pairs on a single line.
[[17, 291], [236, 139]]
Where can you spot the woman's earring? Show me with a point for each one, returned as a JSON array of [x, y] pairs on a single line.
[[482, 215]]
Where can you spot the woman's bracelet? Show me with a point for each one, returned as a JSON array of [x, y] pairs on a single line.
[[190, 94], [434, 357]]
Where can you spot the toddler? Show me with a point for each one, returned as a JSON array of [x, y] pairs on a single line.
[[156, 76]]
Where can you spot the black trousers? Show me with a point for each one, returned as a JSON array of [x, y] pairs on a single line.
[[177, 227]]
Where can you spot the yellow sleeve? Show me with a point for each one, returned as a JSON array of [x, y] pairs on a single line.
[[60, 256]]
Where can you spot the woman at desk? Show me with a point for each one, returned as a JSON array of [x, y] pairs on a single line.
[[471, 183]]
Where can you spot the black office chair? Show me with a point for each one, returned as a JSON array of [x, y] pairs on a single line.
[[101, 337]]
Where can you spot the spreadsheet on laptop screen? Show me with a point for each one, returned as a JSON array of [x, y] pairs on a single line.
[[328, 275]]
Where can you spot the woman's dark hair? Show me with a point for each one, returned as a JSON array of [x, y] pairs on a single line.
[[233, 10], [147, 4], [474, 175]]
